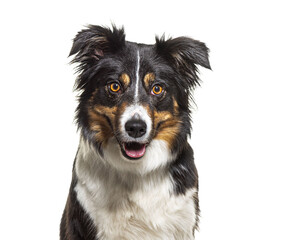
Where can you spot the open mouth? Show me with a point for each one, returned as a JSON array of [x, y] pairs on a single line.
[[134, 150]]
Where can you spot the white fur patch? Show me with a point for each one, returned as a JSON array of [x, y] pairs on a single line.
[[157, 155], [130, 112], [130, 202], [137, 77]]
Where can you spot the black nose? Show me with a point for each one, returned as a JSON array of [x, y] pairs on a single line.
[[135, 128]]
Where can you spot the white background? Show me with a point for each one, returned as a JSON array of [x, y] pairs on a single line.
[[243, 125]]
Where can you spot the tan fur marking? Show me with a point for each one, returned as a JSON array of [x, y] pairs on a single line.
[[169, 126], [125, 80], [148, 79], [148, 110], [110, 112], [98, 121], [176, 106]]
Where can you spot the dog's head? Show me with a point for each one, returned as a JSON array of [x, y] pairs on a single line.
[[134, 98]]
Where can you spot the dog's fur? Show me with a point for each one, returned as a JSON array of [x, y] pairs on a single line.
[[134, 175]]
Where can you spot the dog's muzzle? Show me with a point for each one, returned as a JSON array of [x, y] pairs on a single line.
[[136, 128]]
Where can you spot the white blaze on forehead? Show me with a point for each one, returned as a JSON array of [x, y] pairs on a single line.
[[138, 112], [137, 77]]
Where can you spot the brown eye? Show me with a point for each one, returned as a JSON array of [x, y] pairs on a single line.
[[114, 87], [156, 90]]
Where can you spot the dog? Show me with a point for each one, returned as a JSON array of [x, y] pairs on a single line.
[[134, 175]]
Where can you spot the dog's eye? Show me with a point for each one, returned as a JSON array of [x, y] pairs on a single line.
[[156, 90], [114, 87]]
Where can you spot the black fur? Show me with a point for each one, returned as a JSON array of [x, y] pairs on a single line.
[[185, 175], [102, 55], [75, 222]]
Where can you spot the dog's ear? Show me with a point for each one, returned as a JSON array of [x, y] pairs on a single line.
[[94, 42], [184, 54]]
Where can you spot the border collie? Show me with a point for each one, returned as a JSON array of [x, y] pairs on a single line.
[[134, 175]]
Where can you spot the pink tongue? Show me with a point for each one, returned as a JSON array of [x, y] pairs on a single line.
[[137, 153]]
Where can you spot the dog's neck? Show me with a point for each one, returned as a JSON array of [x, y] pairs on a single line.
[[117, 200], [91, 168]]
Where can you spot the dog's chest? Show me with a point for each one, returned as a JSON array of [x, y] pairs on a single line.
[[149, 213]]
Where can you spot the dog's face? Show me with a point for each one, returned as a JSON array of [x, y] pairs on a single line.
[[134, 101]]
